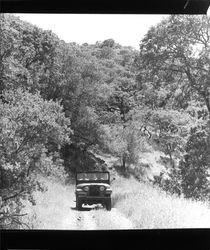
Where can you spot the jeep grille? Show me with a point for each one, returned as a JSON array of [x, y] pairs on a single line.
[[94, 191]]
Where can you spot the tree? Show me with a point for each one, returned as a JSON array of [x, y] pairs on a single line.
[[174, 60], [175, 55], [32, 131], [8, 43], [30, 57], [194, 169], [118, 97]]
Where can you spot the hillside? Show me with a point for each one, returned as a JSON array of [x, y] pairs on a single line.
[[143, 115], [135, 206]]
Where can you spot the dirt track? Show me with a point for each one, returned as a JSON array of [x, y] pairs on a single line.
[[102, 220], [95, 218], [55, 209]]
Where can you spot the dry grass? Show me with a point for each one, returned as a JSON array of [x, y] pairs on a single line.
[[53, 209], [111, 220], [136, 205], [149, 207]]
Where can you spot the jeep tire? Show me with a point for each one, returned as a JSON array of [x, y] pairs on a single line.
[[108, 204], [78, 204]]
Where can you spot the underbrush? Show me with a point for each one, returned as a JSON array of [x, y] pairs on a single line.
[[52, 209], [149, 208]]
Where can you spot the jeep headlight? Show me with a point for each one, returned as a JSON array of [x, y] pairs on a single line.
[[102, 188], [86, 188]]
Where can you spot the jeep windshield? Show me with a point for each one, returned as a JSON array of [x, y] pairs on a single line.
[[92, 176]]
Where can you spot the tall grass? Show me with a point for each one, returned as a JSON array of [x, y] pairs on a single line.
[[135, 205], [53, 209], [150, 208]]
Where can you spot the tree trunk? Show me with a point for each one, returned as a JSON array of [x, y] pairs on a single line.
[[207, 102], [170, 155], [201, 92], [2, 178], [124, 162]]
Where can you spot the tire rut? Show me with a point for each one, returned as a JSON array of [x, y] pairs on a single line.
[[100, 219]]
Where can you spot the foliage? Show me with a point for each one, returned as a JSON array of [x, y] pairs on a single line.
[[194, 169], [28, 55], [32, 130], [173, 76], [191, 176], [175, 53]]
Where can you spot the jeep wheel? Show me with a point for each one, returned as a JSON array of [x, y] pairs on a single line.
[[108, 204], [78, 204]]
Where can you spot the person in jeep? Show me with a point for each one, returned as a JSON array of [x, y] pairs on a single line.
[[93, 188]]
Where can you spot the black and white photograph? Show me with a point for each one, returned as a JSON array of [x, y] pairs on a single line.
[[104, 121]]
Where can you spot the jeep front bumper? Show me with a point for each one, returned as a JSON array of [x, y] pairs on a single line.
[[93, 199]]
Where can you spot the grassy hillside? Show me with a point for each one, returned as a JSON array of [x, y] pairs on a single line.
[[135, 205], [149, 208]]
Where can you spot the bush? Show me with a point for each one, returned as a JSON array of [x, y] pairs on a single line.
[[190, 177], [31, 132]]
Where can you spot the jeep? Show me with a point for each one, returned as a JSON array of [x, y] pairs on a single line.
[[93, 188]]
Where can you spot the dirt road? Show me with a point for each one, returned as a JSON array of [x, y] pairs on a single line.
[[55, 209], [97, 218], [94, 217], [102, 220]]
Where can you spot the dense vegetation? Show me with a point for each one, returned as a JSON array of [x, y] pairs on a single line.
[[61, 102]]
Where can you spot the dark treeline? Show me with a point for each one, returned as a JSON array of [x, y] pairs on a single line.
[[61, 101]]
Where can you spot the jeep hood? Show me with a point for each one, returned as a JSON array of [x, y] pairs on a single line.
[[91, 184]]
